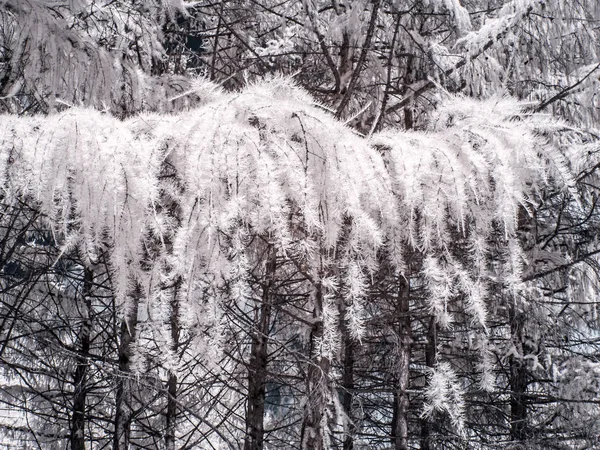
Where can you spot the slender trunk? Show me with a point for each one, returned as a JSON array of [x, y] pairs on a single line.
[[409, 78], [430, 360], [518, 406], [170, 207], [171, 412], [519, 376], [171, 419], [257, 370], [345, 68], [312, 434], [348, 387], [401, 400], [518, 380], [81, 369], [409, 118], [123, 407]]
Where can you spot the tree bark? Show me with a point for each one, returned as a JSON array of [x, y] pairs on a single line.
[[519, 379], [257, 370], [430, 360], [123, 407], [171, 412], [348, 388], [312, 435], [81, 370], [171, 417], [401, 400]]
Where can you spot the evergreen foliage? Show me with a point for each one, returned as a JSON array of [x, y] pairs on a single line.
[[390, 243]]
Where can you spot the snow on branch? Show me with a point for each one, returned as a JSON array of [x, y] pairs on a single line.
[[268, 162], [474, 175], [52, 56]]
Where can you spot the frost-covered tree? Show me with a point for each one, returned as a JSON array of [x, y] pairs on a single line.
[[245, 209], [378, 262], [384, 62], [108, 54]]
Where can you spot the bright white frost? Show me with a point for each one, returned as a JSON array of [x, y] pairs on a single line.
[[93, 180], [268, 162], [445, 394], [463, 186], [52, 51]]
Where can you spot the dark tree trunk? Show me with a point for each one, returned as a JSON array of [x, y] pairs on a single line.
[[257, 370], [171, 418], [409, 78], [171, 412], [348, 387], [430, 360], [80, 377], [312, 431], [401, 400], [123, 406], [519, 380], [518, 406], [519, 374]]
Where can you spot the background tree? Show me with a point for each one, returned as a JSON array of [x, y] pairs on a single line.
[[250, 279]]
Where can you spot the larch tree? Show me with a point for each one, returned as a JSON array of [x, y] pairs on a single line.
[[392, 246]]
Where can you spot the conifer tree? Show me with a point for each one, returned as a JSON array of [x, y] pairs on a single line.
[[392, 244]]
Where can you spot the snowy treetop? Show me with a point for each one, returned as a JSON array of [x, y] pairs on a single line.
[[268, 161]]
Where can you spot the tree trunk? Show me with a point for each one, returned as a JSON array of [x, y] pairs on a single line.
[[171, 412], [348, 387], [519, 376], [80, 376], [430, 360], [518, 380], [171, 419], [123, 407], [257, 370], [401, 400], [312, 435]]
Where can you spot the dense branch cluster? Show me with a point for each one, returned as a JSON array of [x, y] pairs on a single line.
[[262, 199], [313, 225]]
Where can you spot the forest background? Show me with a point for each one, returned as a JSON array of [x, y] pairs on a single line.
[[299, 224]]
